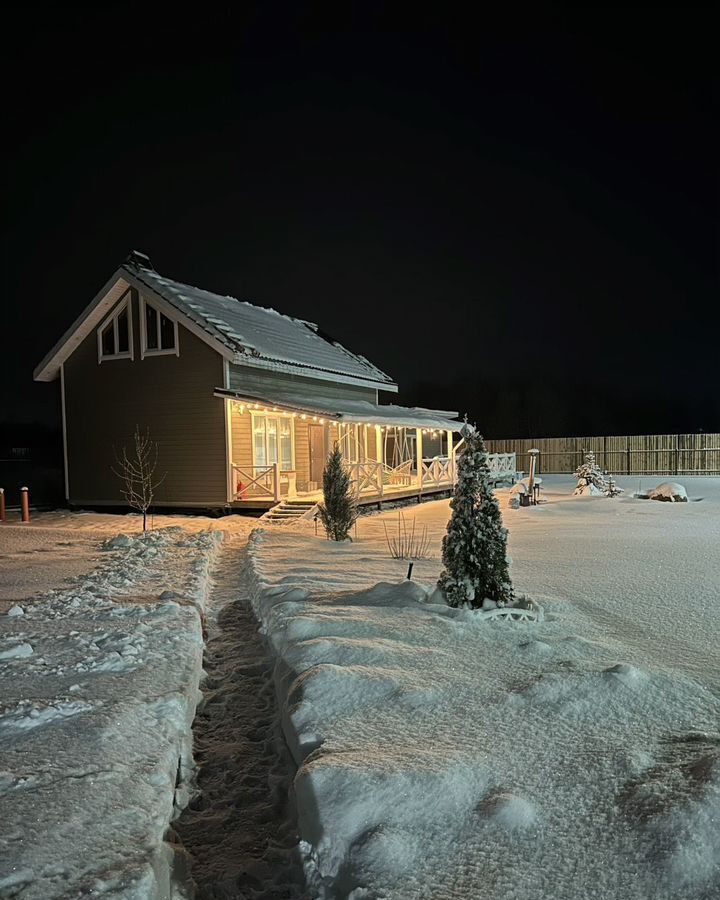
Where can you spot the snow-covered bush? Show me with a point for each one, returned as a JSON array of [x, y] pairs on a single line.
[[593, 481], [338, 510], [590, 477], [474, 549], [670, 492]]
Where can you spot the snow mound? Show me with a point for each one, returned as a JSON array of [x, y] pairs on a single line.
[[669, 492], [510, 811], [357, 810], [404, 593], [17, 651]]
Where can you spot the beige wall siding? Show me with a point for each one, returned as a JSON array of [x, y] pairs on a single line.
[[173, 395]]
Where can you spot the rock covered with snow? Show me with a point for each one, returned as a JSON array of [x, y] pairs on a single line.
[[119, 542], [17, 651], [669, 492], [15, 611]]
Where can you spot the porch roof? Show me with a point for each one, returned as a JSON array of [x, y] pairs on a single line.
[[350, 411]]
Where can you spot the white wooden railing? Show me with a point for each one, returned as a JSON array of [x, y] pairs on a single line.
[[367, 477], [256, 482], [502, 465], [437, 472]]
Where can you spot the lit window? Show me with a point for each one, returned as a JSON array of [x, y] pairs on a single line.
[[159, 333], [272, 441], [115, 334]]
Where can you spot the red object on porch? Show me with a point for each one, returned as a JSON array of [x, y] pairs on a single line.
[[241, 490]]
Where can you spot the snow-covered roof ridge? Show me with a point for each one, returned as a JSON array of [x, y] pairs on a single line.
[[260, 332]]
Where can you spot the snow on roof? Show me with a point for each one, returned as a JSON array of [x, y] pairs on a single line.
[[258, 333], [360, 411]]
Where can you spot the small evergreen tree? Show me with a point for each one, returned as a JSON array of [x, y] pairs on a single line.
[[591, 479], [474, 549], [338, 511]]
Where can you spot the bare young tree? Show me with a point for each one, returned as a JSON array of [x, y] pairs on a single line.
[[137, 473]]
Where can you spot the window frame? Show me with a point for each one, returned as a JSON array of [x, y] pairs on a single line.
[[257, 414], [123, 304], [144, 349]]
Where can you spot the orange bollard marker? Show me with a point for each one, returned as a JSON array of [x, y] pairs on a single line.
[[25, 504], [2, 504]]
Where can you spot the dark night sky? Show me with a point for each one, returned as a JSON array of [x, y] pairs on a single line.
[[473, 204]]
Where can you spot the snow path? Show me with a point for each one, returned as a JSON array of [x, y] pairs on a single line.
[[240, 832]]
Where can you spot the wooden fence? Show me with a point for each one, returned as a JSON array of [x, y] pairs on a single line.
[[643, 454]]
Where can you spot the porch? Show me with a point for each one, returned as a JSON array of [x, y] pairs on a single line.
[[277, 451]]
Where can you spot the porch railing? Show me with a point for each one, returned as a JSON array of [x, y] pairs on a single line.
[[253, 482], [367, 477], [502, 465], [437, 472]]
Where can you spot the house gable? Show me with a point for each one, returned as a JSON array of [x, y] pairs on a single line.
[[170, 395]]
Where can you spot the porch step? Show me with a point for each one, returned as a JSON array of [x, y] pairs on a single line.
[[290, 511]]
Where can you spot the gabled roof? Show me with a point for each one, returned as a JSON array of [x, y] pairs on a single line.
[[242, 332]]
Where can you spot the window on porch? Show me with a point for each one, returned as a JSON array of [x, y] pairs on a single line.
[[273, 441]]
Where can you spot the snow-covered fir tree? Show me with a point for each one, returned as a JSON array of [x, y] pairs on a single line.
[[591, 479], [338, 511], [474, 550]]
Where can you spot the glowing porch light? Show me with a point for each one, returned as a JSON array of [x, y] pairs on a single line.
[[303, 416], [322, 421]]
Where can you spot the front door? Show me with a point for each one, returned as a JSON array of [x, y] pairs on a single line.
[[318, 452]]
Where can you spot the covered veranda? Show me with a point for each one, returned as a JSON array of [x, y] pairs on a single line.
[[277, 448]]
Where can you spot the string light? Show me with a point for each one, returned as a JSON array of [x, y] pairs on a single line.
[[322, 421], [303, 416]]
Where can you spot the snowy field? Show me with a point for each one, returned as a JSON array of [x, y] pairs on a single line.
[[98, 686], [440, 757], [437, 756]]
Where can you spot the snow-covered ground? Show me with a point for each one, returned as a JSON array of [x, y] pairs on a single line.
[[56, 546], [440, 757], [98, 687]]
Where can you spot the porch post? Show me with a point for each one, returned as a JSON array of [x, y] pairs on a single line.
[[451, 456], [229, 451], [276, 482], [379, 445], [419, 457]]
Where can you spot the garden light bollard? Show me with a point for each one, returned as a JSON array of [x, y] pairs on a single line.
[[25, 504], [2, 504], [533, 470]]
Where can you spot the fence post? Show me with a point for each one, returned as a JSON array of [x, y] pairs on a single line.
[[2, 504], [25, 504], [628, 458], [677, 453]]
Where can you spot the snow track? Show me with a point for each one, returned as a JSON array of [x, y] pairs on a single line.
[[240, 830]]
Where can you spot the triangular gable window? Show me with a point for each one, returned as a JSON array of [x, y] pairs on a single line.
[[115, 334]]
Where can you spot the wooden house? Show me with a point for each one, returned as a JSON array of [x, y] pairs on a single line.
[[243, 402]]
